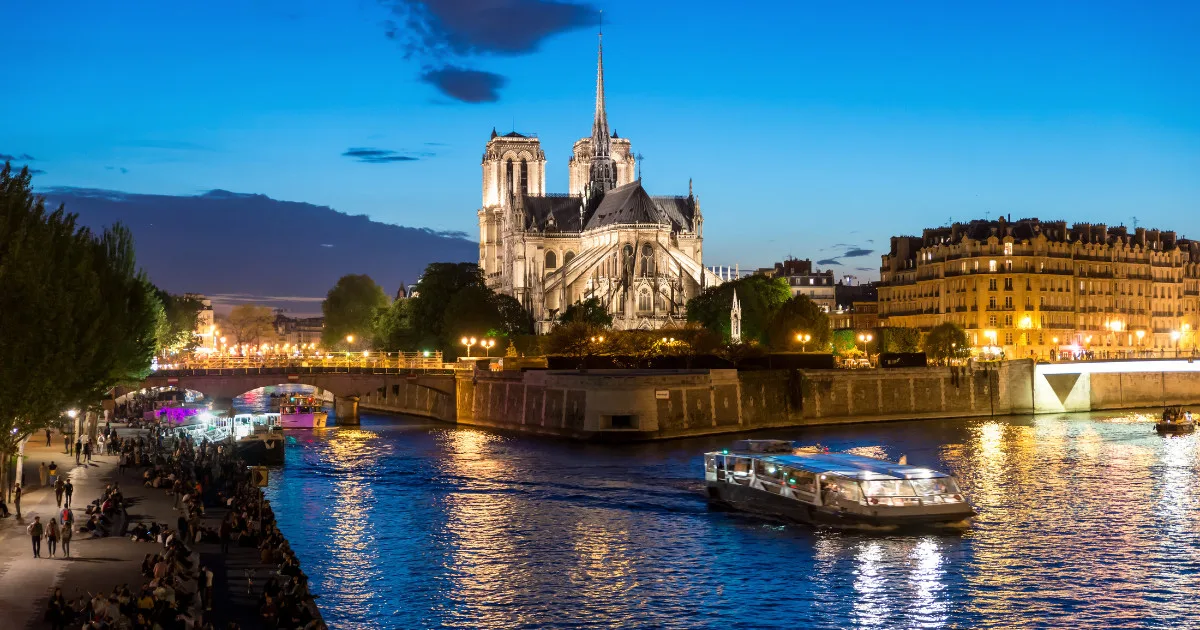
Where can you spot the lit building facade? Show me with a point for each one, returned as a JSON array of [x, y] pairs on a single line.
[[1032, 288], [607, 238], [802, 279]]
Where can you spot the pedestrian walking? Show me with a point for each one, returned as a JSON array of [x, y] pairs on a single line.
[[87, 451], [65, 534], [78, 449], [59, 488], [43, 473], [35, 533], [121, 464], [52, 535], [66, 444], [225, 532], [68, 490], [17, 500], [53, 473], [47, 437]]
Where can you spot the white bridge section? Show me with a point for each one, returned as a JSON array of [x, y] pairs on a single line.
[[1099, 385]]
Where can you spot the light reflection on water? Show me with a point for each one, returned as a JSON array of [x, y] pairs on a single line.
[[1085, 521]]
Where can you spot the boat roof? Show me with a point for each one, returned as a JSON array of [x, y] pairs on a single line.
[[848, 465]]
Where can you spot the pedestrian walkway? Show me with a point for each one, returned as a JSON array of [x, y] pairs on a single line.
[[26, 582]]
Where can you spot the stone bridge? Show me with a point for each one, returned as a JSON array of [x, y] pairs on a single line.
[[420, 392]]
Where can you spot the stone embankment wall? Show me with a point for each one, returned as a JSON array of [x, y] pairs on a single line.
[[635, 404], [408, 397], [1115, 385]]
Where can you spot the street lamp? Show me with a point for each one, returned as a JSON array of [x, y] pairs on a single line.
[[349, 338], [1175, 335], [487, 345], [803, 338], [468, 342]]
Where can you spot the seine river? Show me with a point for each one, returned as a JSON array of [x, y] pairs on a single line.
[[1086, 521]]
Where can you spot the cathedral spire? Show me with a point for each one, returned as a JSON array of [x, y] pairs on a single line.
[[603, 176]]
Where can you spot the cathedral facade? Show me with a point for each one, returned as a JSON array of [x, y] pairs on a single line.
[[607, 238]]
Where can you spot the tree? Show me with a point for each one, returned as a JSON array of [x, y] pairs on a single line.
[[515, 320], [177, 331], [898, 339], [350, 308], [472, 313], [760, 297], [439, 284], [798, 315], [590, 311], [76, 315], [252, 324], [945, 341]]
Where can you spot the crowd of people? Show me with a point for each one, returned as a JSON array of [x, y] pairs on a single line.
[[178, 591]]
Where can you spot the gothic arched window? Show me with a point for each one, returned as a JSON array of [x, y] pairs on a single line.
[[508, 177], [551, 260], [524, 176], [644, 300], [568, 257], [647, 259]]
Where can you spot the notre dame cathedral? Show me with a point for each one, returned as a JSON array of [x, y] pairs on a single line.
[[640, 254]]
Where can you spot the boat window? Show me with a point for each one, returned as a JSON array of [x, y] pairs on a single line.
[[846, 488], [741, 466], [710, 463], [801, 480], [931, 487], [887, 488]]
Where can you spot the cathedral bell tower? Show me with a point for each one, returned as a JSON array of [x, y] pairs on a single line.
[[603, 170]]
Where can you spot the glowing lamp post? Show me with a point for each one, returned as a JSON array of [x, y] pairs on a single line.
[[487, 345], [1175, 335], [468, 342], [803, 338]]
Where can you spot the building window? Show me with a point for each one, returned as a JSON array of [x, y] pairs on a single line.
[[1008, 321], [1008, 286], [568, 257], [1008, 249], [551, 260], [992, 266], [992, 302], [1008, 339], [1008, 301], [992, 321], [992, 284], [644, 300], [524, 176]]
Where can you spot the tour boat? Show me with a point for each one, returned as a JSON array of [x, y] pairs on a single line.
[[302, 412], [1175, 421], [808, 485]]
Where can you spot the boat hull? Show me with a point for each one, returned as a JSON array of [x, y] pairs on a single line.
[[752, 500], [1174, 428], [261, 451], [314, 420]]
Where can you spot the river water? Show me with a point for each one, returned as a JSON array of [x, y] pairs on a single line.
[[1086, 521]]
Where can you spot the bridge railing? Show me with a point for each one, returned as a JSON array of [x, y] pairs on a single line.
[[322, 363]]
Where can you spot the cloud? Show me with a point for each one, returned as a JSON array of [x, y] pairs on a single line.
[[370, 155], [443, 34], [438, 28], [871, 240], [829, 261], [463, 84], [863, 269], [117, 168], [24, 157], [856, 252]]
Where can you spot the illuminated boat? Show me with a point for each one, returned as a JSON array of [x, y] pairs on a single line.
[[1175, 421], [302, 412], [807, 485]]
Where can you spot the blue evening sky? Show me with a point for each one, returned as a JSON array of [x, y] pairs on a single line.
[[810, 128]]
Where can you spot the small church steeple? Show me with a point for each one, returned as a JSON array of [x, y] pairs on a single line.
[[603, 174]]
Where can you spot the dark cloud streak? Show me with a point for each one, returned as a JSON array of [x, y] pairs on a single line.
[[829, 261], [440, 34], [369, 155], [856, 252], [468, 86]]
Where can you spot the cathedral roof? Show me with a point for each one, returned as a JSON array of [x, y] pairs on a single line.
[[623, 205], [632, 204]]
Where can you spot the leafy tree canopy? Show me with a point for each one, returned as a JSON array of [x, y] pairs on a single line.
[[178, 326], [759, 296], [252, 324], [798, 315], [350, 308], [590, 311], [945, 340], [76, 316], [438, 286]]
